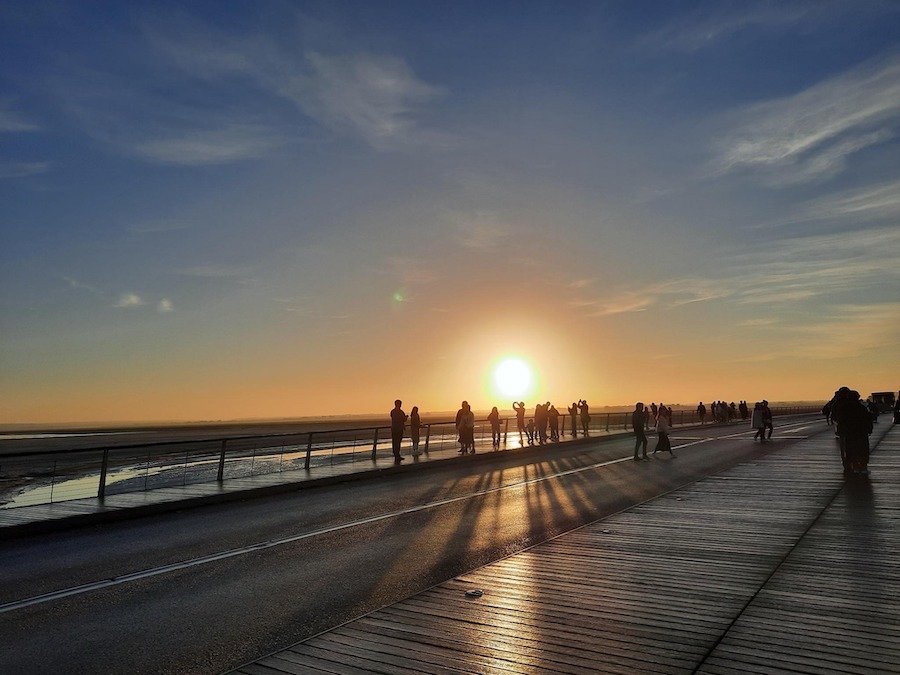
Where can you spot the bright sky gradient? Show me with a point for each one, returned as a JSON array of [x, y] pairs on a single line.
[[224, 209]]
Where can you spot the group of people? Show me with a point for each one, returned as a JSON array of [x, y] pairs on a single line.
[[761, 420], [723, 413], [639, 420], [853, 420], [545, 423]]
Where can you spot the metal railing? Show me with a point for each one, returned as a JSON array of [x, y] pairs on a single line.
[[44, 477]]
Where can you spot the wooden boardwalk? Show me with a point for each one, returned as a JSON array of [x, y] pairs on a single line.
[[774, 566]]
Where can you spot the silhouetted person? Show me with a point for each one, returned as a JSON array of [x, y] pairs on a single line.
[[414, 425], [637, 423], [494, 419], [663, 424], [767, 419], [758, 422], [398, 421], [465, 427], [854, 424], [826, 411], [553, 416], [529, 431], [701, 412], [585, 416], [540, 422], [573, 413], [520, 419], [897, 409]]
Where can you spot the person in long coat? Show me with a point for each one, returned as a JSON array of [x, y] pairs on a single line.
[[854, 424]]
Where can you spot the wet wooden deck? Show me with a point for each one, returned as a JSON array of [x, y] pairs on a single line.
[[774, 566]]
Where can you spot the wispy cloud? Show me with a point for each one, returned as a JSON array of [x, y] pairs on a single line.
[[23, 169], [703, 28], [80, 285], [164, 306], [850, 330], [670, 294], [216, 271], [810, 135], [129, 300], [210, 146], [878, 203], [13, 122], [371, 95]]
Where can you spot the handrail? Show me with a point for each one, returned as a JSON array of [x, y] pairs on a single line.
[[101, 461]]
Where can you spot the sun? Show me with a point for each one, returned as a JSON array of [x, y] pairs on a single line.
[[512, 377]]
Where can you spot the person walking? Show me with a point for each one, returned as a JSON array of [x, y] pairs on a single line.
[[640, 438], [494, 419], [663, 424], [414, 426], [767, 419], [398, 421], [854, 424], [701, 412], [758, 422]]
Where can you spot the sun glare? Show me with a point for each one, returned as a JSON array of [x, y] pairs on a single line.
[[512, 377]]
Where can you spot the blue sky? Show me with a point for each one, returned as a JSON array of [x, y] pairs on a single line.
[[250, 209]]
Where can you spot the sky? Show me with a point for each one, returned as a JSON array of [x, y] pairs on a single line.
[[226, 209]]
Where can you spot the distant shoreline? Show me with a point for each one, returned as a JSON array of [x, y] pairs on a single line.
[[331, 421]]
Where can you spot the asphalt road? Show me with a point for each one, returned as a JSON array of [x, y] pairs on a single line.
[[207, 589]]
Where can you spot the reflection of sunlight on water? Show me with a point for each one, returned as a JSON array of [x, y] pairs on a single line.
[[269, 460]]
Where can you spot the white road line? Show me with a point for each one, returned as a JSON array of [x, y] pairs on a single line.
[[203, 560]]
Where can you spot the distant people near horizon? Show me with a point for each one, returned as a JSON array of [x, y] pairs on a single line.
[[745, 412], [553, 416], [494, 419], [701, 412], [826, 411], [854, 424], [640, 438], [519, 409], [573, 413], [732, 411], [585, 411], [654, 411], [646, 419], [398, 421], [465, 428], [757, 422], [415, 425], [663, 424]]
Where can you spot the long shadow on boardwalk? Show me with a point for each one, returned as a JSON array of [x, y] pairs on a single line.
[[773, 566]]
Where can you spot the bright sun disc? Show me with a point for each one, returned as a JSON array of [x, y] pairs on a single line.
[[512, 377]]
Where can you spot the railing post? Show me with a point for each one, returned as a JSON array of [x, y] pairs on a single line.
[[308, 451], [607, 421], [220, 476], [427, 437], [375, 444], [101, 491]]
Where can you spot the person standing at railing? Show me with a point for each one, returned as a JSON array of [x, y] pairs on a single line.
[[415, 424], [701, 412], [637, 423], [398, 421], [553, 416], [465, 427], [573, 413], [520, 419], [494, 419], [585, 416]]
